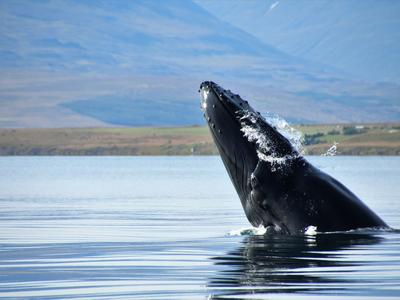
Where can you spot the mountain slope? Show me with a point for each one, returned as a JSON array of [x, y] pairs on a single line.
[[122, 63], [360, 37], [136, 36]]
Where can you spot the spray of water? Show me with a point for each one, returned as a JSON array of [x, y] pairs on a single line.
[[261, 230], [275, 229], [253, 132], [332, 151], [294, 136]]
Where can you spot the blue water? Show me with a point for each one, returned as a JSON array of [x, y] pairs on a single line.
[[158, 228]]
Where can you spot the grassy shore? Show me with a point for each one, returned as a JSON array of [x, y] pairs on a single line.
[[366, 139]]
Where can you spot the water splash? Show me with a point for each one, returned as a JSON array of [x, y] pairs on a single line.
[[261, 230], [332, 151], [253, 132], [310, 230], [203, 99], [294, 136]]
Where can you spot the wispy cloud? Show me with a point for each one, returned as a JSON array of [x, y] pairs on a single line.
[[273, 5]]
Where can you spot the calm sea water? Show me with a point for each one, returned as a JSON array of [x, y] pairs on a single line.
[[158, 228]]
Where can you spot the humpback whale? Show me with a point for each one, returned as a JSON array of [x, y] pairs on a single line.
[[278, 188]]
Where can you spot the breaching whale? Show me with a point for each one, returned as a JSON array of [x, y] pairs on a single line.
[[277, 186]]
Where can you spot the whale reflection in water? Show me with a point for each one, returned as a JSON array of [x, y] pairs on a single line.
[[275, 264]]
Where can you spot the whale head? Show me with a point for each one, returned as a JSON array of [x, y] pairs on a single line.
[[244, 140]]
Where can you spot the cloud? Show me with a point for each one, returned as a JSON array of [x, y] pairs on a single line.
[[273, 5]]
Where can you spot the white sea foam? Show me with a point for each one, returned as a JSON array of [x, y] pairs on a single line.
[[261, 230], [310, 230]]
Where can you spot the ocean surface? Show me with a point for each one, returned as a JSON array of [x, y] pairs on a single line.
[[173, 228]]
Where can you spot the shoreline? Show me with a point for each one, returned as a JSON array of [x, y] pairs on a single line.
[[351, 139]]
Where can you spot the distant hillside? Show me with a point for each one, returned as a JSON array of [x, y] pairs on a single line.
[[70, 63], [128, 110], [367, 139], [141, 37], [359, 37]]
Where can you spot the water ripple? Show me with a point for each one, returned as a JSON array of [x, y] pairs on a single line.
[[157, 228]]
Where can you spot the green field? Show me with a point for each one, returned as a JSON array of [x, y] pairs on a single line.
[[366, 139]]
